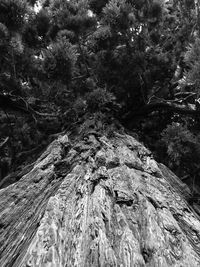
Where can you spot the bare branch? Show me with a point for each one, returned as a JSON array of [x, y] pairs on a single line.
[[189, 109], [2, 144]]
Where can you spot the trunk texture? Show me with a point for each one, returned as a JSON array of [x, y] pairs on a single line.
[[98, 202]]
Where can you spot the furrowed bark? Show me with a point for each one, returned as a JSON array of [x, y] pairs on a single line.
[[98, 201]]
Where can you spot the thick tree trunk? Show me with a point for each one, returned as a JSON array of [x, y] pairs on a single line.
[[98, 202]]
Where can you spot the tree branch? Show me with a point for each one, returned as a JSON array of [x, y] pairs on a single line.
[[2, 144], [159, 106], [19, 104]]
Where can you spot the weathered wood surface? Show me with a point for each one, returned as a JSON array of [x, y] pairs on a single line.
[[98, 202]]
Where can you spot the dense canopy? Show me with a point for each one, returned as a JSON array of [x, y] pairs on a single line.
[[135, 62]]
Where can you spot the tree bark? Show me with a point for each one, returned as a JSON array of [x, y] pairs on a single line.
[[98, 201]]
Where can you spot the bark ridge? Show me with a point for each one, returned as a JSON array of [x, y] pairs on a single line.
[[98, 202]]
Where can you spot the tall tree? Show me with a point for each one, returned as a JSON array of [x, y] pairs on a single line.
[[97, 200]]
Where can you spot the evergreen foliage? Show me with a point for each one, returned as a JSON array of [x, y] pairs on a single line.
[[178, 141], [111, 58], [192, 59], [59, 60], [183, 151], [13, 13]]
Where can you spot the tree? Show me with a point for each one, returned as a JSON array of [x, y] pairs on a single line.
[[88, 74], [96, 200]]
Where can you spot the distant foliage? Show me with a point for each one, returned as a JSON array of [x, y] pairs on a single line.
[[71, 15], [97, 5], [99, 99], [17, 44], [182, 148], [115, 13], [3, 32], [179, 142], [79, 106], [101, 39], [12, 13], [42, 21], [59, 60], [192, 59]]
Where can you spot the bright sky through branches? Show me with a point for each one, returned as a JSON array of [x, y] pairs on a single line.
[[37, 6]]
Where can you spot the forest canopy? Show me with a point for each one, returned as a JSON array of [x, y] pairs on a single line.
[[133, 61]]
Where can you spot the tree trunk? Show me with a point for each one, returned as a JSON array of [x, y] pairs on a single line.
[[98, 201]]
